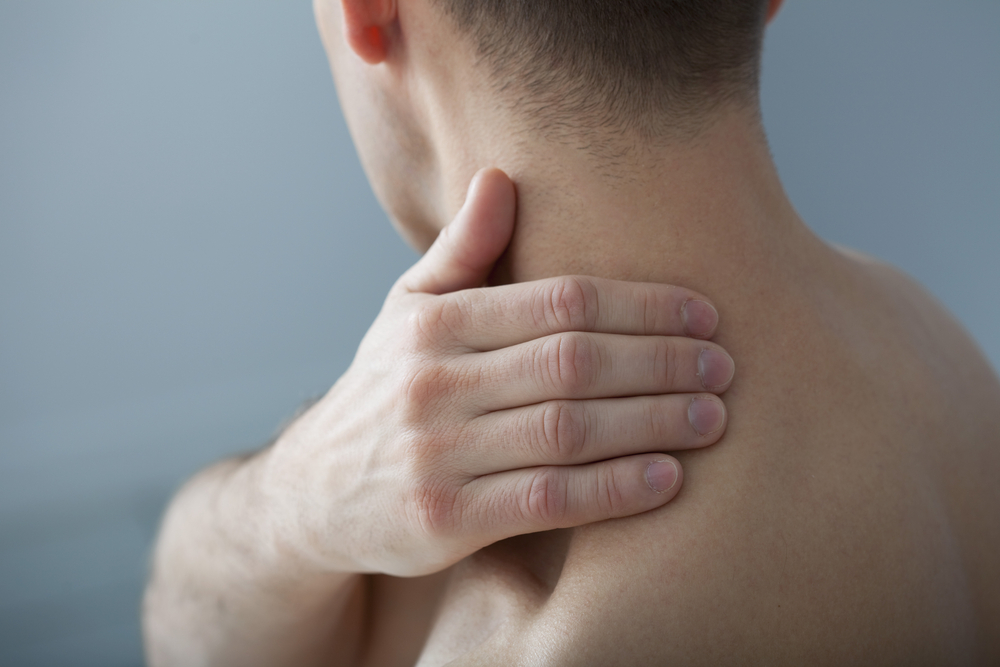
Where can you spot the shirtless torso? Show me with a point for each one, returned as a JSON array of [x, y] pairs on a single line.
[[849, 516]]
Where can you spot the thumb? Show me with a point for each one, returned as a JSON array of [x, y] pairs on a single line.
[[464, 252]]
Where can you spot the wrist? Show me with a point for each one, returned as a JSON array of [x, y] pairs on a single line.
[[219, 570], [223, 525], [265, 523]]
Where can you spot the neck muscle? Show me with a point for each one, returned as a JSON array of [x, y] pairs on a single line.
[[710, 214]]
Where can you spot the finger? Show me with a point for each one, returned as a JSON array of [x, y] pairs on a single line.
[[575, 432], [587, 365], [527, 501], [497, 317], [465, 251]]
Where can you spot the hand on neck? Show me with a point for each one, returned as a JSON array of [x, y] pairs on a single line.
[[700, 208], [703, 211]]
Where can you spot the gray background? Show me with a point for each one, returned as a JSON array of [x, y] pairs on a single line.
[[189, 249]]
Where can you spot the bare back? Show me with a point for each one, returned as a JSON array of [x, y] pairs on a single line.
[[850, 515]]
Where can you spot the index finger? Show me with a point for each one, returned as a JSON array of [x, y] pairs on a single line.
[[492, 318]]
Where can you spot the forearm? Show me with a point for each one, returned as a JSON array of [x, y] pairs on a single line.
[[224, 590]]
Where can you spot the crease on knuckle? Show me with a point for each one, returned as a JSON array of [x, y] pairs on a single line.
[[434, 323], [665, 363], [610, 496], [563, 431], [569, 363], [423, 386], [434, 506], [652, 416], [571, 304], [545, 498], [651, 310]]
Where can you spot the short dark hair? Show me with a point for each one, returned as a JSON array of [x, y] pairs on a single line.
[[649, 65]]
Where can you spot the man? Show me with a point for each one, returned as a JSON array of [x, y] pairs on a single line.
[[848, 516]]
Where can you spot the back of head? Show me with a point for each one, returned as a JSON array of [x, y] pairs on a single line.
[[656, 67]]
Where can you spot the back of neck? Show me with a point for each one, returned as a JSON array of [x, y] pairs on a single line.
[[709, 214]]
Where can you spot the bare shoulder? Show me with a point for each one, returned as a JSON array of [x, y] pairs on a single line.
[[922, 322], [843, 519], [847, 516], [891, 282]]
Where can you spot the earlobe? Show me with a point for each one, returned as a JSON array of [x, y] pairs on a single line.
[[365, 23], [772, 9], [367, 43]]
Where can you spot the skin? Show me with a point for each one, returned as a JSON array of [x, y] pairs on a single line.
[[847, 516], [470, 415], [467, 417]]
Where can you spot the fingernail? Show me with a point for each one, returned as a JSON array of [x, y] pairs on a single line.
[[706, 415], [700, 318], [715, 368], [661, 476]]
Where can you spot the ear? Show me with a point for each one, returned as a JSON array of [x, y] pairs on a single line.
[[772, 9], [365, 23]]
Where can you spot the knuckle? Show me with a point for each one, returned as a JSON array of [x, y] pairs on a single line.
[[652, 309], [665, 362], [430, 490], [569, 362], [657, 427], [571, 304], [610, 491], [545, 497], [424, 384], [432, 324], [434, 506], [453, 314], [418, 330], [563, 430]]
